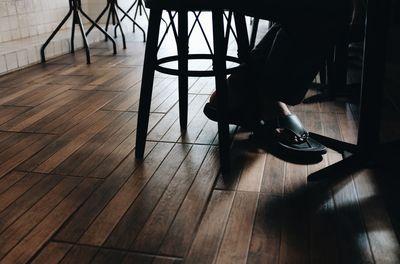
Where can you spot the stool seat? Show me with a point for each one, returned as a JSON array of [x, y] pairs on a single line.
[[219, 70]]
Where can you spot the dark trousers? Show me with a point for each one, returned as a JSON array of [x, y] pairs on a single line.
[[287, 59]]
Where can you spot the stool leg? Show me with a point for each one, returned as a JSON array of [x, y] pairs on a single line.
[[73, 31], [243, 37], [183, 51], [221, 87], [150, 60], [254, 30], [42, 54], [114, 7], [85, 41], [108, 22], [98, 18]]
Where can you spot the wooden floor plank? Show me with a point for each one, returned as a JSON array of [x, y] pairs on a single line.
[[381, 235], [16, 144], [11, 95], [30, 74], [236, 240], [251, 176], [165, 123], [163, 88], [4, 136], [163, 106], [32, 242], [196, 127], [129, 100], [80, 254], [348, 128], [24, 154], [137, 259], [13, 234], [34, 94], [81, 110], [208, 134], [295, 232], [156, 227], [28, 200], [125, 79], [94, 202], [56, 152], [323, 238], [10, 179], [239, 156], [197, 84], [266, 237], [196, 106], [182, 229], [205, 245], [82, 219], [105, 222], [118, 154], [273, 177], [132, 258], [349, 222], [78, 80], [106, 256], [331, 126], [61, 154], [91, 154], [125, 233], [47, 109], [18, 189], [10, 112], [53, 253]]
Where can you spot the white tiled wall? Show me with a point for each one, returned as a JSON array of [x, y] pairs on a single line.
[[26, 24], [27, 18]]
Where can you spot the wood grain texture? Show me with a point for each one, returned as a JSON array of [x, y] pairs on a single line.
[[156, 227], [125, 233], [236, 240], [205, 245], [32, 242], [266, 237], [105, 222], [72, 191], [53, 253]]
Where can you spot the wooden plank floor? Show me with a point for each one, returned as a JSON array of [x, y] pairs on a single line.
[[71, 190]]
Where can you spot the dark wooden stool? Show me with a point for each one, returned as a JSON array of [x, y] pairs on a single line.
[[219, 58], [75, 9], [112, 7]]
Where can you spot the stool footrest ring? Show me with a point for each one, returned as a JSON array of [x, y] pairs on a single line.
[[194, 73]]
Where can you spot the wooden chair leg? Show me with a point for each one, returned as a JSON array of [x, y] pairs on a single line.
[[150, 59], [221, 88], [183, 51]]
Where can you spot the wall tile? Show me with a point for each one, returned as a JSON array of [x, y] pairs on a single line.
[[4, 26], [3, 9], [6, 36], [3, 65], [11, 61], [11, 8], [22, 57], [33, 55], [26, 24]]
